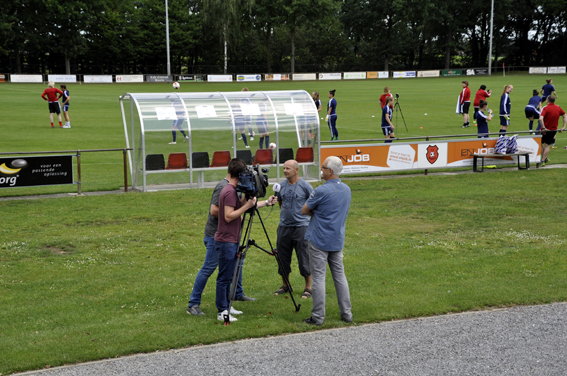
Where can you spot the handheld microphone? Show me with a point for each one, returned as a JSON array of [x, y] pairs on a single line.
[[277, 187]]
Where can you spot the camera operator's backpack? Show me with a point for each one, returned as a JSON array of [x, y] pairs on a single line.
[[501, 145]]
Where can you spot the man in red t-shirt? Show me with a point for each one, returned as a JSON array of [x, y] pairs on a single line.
[[549, 119], [465, 103], [51, 95]]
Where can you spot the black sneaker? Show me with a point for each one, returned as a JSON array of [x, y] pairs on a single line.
[[195, 310], [347, 320], [245, 298], [311, 321]]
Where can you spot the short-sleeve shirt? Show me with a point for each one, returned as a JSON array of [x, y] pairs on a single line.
[[212, 221], [228, 232], [551, 114], [534, 101], [386, 110], [482, 123], [547, 90], [292, 198], [64, 97], [330, 203]]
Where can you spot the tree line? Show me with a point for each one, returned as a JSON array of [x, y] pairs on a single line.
[[265, 36]]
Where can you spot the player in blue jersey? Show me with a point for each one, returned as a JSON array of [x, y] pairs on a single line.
[[65, 98], [547, 90], [180, 113], [387, 126], [483, 116], [505, 106], [332, 115], [533, 109]]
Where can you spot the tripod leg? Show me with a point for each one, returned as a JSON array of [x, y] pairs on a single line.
[[275, 252], [402, 113]]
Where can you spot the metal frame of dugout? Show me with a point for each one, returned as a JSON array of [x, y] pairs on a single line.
[[213, 122]]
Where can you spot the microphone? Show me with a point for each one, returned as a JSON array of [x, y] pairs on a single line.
[[277, 187]]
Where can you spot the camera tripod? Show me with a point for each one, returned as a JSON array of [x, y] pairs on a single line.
[[397, 107], [245, 244]]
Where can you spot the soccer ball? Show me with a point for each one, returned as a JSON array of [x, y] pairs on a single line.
[[176, 85], [273, 145]]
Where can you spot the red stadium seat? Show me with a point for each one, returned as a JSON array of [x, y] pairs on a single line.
[[304, 155], [176, 161], [264, 156], [221, 158]]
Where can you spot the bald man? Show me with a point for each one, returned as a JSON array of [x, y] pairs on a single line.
[[292, 196]]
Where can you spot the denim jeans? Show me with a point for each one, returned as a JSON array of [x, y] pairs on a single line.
[[227, 263], [208, 268]]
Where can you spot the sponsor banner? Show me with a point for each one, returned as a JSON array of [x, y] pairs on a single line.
[[330, 76], [538, 70], [33, 171], [128, 78], [377, 74], [65, 78], [304, 76], [355, 75], [159, 78], [370, 158], [219, 78], [190, 77], [451, 72], [276, 77], [99, 79], [2, 78], [248, 77], [428, 73], [477, 72], [35, 78], [359, 159], [556, 70], [405, 74]]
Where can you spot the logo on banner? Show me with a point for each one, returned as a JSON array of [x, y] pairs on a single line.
[[355, 158], [432, 153]]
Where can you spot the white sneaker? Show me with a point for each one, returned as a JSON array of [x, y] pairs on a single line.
[[186, 138], [67, 126], [234, 311], [247, 147], [221, 315], [173, 143], [240, 138], [251, 138]]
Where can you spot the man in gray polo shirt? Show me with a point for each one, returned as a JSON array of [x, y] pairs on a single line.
[[328, 207], [292, 227]]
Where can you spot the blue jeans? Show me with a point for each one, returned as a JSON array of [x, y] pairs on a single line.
[[227, 263], [208, 268]]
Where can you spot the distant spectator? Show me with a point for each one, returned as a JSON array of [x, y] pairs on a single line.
[[51, 95]]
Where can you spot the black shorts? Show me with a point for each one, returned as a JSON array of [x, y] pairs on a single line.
[[54, 108], [466, 107], [288, 239], [548, 137]]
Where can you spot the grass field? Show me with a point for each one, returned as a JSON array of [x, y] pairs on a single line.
[[85, 278], [97, 123]]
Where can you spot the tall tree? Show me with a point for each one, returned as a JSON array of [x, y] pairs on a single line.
[[227, 14]]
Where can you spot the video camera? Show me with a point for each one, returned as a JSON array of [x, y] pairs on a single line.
[[253, 181], [397, 95]]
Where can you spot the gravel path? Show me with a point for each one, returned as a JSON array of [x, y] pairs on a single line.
[[516, 341]]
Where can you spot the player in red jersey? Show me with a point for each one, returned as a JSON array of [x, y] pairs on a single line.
[[51, 94], [465, 103], [385, 95], [482, 93], [549, 118]]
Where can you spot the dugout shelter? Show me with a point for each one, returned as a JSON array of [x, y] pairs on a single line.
[[213, 123]]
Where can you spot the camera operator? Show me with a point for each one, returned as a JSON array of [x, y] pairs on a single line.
[[292, 227], [227, 237], [211, 256], [328, 207]]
